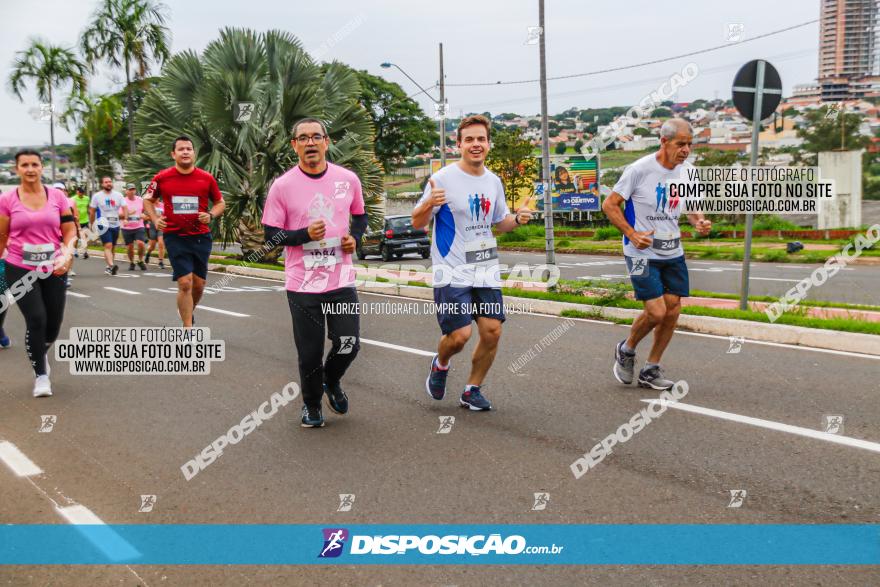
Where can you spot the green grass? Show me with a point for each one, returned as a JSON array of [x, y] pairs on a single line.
[[274, 267]]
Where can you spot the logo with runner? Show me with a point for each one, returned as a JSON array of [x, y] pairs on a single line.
[[660, 192], [346, 501], [737, 498], [446, 423], [541, 502], [147, 503], [479, 206], [832, 423], [47, 423], [334, 541], [736, 345], [321, 208], [341, 189], [346, 345], [639, 265]]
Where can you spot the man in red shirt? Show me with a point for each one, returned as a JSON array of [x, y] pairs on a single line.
[[191, 199]]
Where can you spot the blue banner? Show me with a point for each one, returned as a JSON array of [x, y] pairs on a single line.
[[637, 544], [582, 202]]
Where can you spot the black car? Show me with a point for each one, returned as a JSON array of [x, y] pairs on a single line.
[[396, 238]]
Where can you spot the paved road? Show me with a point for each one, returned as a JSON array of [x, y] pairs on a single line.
[[116, 438], [857, 284]]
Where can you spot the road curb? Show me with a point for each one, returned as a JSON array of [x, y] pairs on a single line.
[[851, 342]]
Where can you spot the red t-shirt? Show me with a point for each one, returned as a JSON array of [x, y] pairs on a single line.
[[184, 197]]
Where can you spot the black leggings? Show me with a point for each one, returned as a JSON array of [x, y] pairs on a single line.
[[43, 311], [309, 311]]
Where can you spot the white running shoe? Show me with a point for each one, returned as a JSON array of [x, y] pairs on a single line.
[[42, 387]]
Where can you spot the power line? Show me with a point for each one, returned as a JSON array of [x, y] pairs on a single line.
[[717, 69], [643, 64]]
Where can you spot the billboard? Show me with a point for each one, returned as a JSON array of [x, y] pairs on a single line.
[[574, 184]]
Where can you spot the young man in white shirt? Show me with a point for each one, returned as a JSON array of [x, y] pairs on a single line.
[[466, 201]]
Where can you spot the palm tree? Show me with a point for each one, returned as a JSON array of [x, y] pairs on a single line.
[[92, 115], [50, 68], [197, 96], [128, 33]]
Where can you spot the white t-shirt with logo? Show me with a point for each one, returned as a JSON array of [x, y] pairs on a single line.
[[463, 250], [649, 207], [107, 206]]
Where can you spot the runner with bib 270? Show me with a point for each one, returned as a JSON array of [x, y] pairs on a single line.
[[466, 201], [652, 249]]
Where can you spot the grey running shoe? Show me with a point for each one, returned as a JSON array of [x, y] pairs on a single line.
[[653, 379], [624, 364]]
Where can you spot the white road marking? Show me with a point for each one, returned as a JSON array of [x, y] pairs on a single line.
[[125, 291], [219, 311], [794, 347], [771, 425], [77, 295], [775, 279], [396, 347], [17, 461], [169, 290], [105, 539]]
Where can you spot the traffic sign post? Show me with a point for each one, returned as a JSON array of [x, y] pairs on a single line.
[[757, 91]]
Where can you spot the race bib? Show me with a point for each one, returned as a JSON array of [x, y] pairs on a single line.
[[34, 255], [666, 242], [134, 217], [185, 204], [112, 218], [481, 251], [322, 253]]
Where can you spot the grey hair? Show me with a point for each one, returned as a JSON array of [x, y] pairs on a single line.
[[307, 121], [673, 126]]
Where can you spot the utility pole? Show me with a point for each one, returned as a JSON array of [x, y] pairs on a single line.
[[545, 143], [442, 112]]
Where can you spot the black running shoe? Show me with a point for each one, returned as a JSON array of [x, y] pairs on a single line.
[[435, 384], [472, 399], [131, 267], [86, 255], [312, 417], [161, 265], [108, 271], [336, 398], [114, 270], [147, 257], [142, 265]]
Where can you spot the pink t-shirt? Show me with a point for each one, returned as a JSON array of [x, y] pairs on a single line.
[[34, 235], [296, 200], [135, 210]]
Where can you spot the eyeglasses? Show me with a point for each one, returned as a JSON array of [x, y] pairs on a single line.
[[304, 139]]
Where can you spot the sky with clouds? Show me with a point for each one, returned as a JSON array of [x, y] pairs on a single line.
[[484, 41]]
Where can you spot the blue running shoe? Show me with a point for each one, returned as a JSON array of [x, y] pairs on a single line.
[[336, 398], [5, 343], [435, 384], [312, 417], [474, 400]]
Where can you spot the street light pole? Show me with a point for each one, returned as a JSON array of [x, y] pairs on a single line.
[[545, 144], [442, 112]]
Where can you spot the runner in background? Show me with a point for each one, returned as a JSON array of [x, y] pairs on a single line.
[[68, 278], [154, 236], [37, 229], [191, 199], [133, 226], [652, 249], [82, 208], [105, 204]]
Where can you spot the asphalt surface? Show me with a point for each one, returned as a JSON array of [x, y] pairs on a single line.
[[856, 284], [116, 438]]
